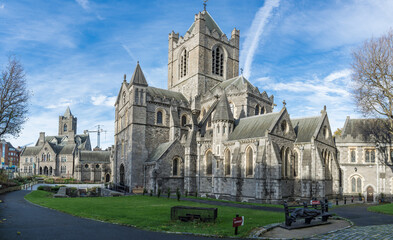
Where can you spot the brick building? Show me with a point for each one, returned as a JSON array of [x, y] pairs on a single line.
[[10, 156]]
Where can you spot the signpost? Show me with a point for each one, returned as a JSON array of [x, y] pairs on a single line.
[[315, 202], [237, 222]]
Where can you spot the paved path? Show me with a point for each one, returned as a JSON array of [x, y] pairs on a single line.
[[34, 222], [361, 217], [377, 232]]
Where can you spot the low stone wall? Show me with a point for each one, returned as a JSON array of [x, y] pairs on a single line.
[[109, 193], [17, 188]]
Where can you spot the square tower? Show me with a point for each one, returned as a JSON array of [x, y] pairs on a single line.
[[202, 57], [67, 124]]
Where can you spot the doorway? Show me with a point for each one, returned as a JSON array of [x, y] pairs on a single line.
[[370, 194], [122, 175]]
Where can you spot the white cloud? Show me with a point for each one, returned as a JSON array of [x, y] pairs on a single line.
[[254, 33], [2, 6], [129, 52], [102, 100], [62, 103], [84, 4]]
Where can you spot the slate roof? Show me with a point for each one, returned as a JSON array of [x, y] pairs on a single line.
[[31, 151], [159, 151], [210, 24], [68, 149], [95, 156], [364, 130], [239, 82], [138, 78], [255, 126], [223, 111], [158, 92], [305, 127]]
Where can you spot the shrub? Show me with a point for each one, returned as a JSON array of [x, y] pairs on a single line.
[[144, 191], [151, 193], [168, 192], [178, 194], [158, 193], [55, 188]]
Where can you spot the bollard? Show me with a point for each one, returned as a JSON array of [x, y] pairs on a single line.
[[336, 200], [345, 200]]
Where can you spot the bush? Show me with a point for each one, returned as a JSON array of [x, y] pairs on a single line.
[[151, 193], [144, 191], [168, 192], [178, 194], [159, 193], [55, 188], [45, 188], [186, 193]]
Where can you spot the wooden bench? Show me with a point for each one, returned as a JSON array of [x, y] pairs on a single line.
[[186, 214], [320, 209]]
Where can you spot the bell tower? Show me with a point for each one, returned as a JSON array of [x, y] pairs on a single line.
[[67, 124], [201, 58]]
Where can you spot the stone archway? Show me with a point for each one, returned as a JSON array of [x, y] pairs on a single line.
[[122, 175], [46, 171], [40, 170], [50, 171], [370, 194], [107, 177]]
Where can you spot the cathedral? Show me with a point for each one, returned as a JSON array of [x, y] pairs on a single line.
[[213, 133], [66, 155]]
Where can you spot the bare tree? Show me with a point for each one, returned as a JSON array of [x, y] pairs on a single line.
[[13, 98], [372, 68]]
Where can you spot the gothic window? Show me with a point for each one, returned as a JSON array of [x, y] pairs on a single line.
[[356, 184], [227, 160], [257, 110], [218, 61], [121, 175], [175, 167], [122, 148], [136, 96], [184, 120], [183, 63], [282, 156], [370, 155], [288, 167], [209, 162], [353, 155], [249, 162], [65, 127], [284, 127], [141, 92], [263, 110], [223, 129], [159, 117], [48, 157]]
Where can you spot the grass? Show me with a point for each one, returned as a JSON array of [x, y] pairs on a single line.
[[382, 208], [245, 203], [152, 213]]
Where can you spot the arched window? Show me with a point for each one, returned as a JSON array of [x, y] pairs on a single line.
[[227, 161], [121, 175], [218, 61], [353, 155], [249, 162], [43, 157], [209, 162], [65, 127], [183, 63], [257, 110], [159, 117], [175, 167], [288, 167], [136, 96], [48, 157], [282, 156], [141, 92], [263, 110], [184, 120], [356, 184]]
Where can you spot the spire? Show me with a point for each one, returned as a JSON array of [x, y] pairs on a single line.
[[67, 113], [137, 77], [223, 111]]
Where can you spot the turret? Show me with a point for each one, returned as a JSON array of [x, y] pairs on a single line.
[[222, 123]]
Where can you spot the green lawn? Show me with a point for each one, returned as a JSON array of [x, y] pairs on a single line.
[[152, 213], [383, 208]]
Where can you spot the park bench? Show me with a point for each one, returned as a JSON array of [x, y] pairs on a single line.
[[186, 214], [308, 212]]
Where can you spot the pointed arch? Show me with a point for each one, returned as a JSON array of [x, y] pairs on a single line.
[[257, 109], [65, 127], [183, 63], [249, 161], [218, 55], [227, 161], [209, 162]]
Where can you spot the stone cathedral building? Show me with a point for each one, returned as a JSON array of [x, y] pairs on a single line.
[[215, 133]]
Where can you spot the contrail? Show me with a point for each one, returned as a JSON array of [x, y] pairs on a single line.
[[254, 34]]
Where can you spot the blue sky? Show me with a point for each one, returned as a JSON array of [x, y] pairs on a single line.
[[76, 52]]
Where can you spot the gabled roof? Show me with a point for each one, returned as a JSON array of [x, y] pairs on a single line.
[[138, 78], [159, 151], [95, 156], [255, 126], [305, 128], [210, 24], [223, 111], [163, 93], [31, 151], [239, 82]]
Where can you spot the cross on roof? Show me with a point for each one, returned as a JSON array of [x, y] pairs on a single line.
[[204, 4]]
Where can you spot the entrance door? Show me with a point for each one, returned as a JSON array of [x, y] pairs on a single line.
[[370, 194], [108, 178], [122, 175], [46, 171]]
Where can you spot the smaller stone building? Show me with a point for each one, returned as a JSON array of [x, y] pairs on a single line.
[[365, 152], [66, 155]]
